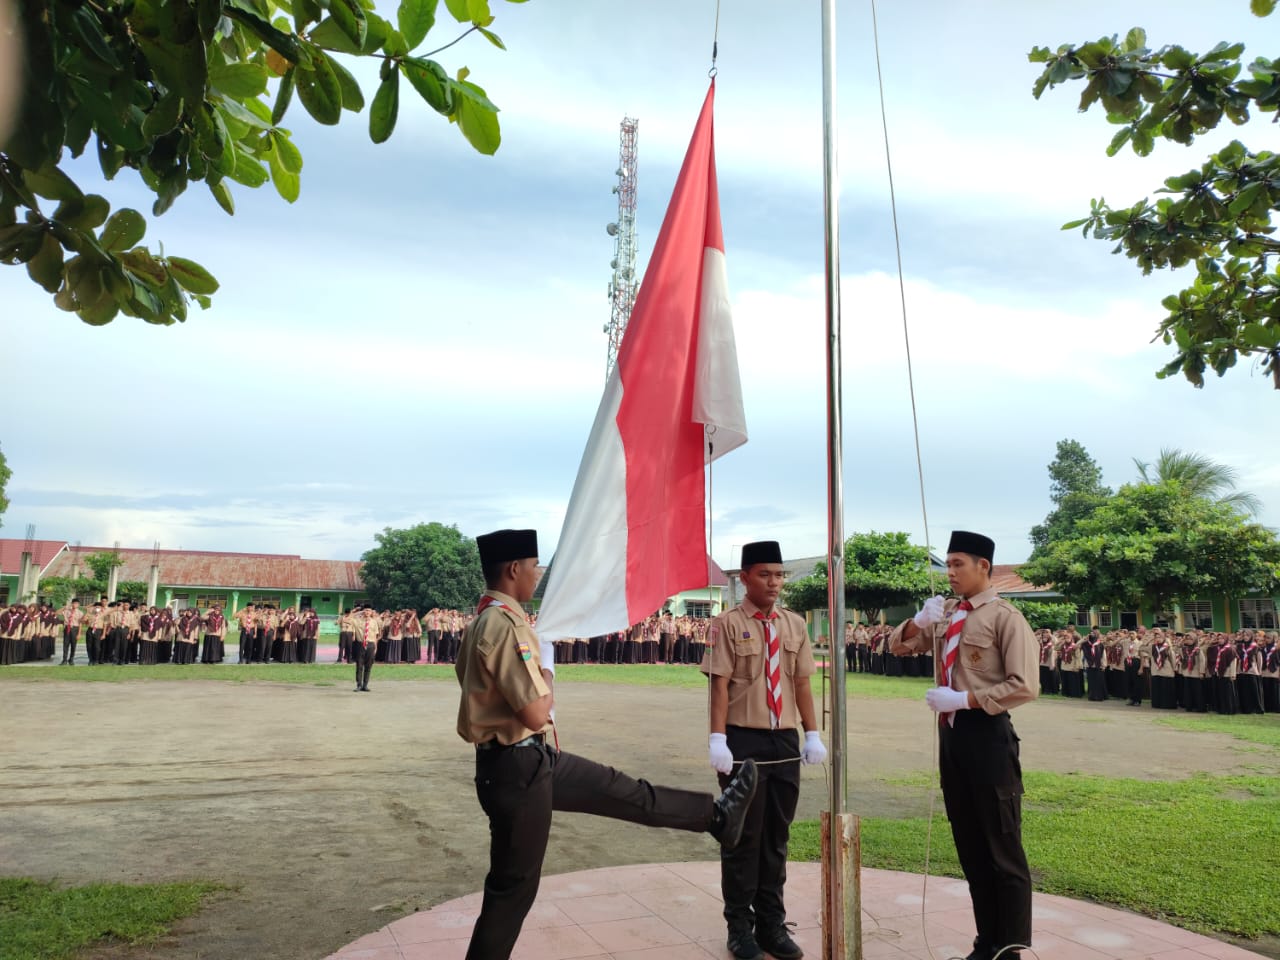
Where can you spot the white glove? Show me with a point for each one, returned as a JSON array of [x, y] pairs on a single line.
[[930, 613], [547, 655], [814, 751], [946, 700], [721, 755]]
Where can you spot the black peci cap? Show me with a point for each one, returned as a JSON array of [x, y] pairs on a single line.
[[762, 551], [502, 546], [962, 541]]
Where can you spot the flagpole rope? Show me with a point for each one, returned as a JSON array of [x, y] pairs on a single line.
[[715, 44], [924, 509], [915, 429]]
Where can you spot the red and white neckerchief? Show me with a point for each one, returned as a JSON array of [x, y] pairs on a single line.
[[487, 601], [368, 622], [950, 649], [773, 667]]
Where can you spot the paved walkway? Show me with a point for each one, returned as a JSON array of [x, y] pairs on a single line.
[[672, 912]]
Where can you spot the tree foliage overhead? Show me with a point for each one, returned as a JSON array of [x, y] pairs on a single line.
[[1199, 476], [881, 570], [1216, 217], [1043, 615], [195, 91], [424, 566], [1152, 544], [1076, 489]]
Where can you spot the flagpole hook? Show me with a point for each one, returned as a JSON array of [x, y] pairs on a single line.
[[715, 45]]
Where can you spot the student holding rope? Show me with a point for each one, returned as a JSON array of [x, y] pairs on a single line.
[[986, 660], [759, 661]]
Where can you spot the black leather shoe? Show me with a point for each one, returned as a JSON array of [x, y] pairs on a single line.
[[731, 807], [742, 944], [777, 942]]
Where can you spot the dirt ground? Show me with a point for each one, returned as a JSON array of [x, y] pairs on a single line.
[[330, 813]]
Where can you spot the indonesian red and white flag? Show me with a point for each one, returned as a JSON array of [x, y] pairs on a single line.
[[635, 531]]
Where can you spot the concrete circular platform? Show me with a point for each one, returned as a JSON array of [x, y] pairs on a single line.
[[672, 912]]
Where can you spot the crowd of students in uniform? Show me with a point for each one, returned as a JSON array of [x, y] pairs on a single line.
[[402, 636], [661, 638], [115, 632], [1197, 670]]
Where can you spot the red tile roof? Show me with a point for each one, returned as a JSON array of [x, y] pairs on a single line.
[[202, 568], [11, 554], [1004, 577]]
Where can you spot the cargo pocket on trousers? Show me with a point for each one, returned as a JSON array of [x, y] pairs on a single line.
[[1009, 801]]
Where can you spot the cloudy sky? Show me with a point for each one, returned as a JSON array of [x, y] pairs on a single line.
[[420, 337]]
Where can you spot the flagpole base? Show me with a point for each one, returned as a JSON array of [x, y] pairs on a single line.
[[841, 886]]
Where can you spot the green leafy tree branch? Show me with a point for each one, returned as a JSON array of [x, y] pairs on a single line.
[[195, 91], [1218, 217]]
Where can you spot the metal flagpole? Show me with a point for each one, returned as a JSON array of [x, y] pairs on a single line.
[[840, 840]]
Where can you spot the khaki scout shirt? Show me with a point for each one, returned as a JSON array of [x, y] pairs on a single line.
[[736, 649], [998, 657], [366, 629], [500, 672]]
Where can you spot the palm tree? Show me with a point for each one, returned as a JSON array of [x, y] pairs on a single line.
[[1199, 476]]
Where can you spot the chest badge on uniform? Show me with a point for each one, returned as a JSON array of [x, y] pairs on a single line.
[[746, 634], [523, 647], [975, 656]]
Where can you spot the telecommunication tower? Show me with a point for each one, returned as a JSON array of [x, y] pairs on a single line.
[[624, 282]]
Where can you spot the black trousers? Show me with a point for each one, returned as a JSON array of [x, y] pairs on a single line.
[[982, 790], [69, 636], [754, 872], [518, 788], [362, 655], [120, 645], [1249, 692], [1097, 683], [1048, 680], [93, 645], [1271, 694], [1225, 700], [1133, 681], [1193, 694]]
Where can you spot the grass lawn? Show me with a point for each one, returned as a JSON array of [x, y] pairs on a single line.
[[1203, 853], [42, 920], [329, 674], [1264, 730]]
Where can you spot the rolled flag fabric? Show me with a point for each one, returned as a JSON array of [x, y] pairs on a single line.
[[635, 530]]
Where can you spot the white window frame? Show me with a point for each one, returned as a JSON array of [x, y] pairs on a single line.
[[1104, 618], [1262, 613], [1197, 615], [1082, 617]]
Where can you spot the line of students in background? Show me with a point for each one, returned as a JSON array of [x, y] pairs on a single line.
[[661, 638], [866, 650], [402, 636], [285, 636], [1198, 671], [117, 632]]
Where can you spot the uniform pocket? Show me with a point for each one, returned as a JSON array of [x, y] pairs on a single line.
[[791, 650], [1009, 801], [746, 663]]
